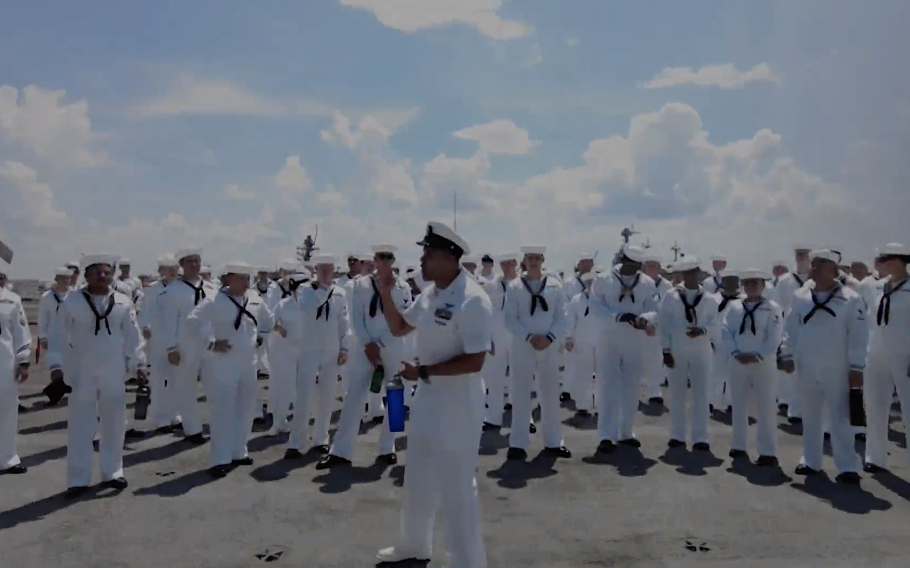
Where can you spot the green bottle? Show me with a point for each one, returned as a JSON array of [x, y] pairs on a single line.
[[377, 380]]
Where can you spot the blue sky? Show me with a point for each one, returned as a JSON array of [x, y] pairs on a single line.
[[764, 123]]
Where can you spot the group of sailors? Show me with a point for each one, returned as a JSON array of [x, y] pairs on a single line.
[[798, 340]]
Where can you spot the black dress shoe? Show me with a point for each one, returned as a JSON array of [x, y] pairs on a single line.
[[582, 413], [795, 420], [848, 478], [656, 400], [533, 428], [872, 468], [487, 427], [22, 409], [322, 450], [859, 437], [631, 443], [767, 461], [508, 406], [118, 483], [133, 434], [178, 427], [606, 447], [674, 443], [96, 445], [75, 492], [197, 439], [331, 461], [738, 454], [162, 430], [292, 454], [387, 459], [243, 461], [17, 469], [219, 471], [702, 446], [132, 381], [516, 454], [564, 397], [803, 469], [559, 452]]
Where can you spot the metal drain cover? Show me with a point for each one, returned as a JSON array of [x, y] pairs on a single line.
[[691, 546], [271, 554]]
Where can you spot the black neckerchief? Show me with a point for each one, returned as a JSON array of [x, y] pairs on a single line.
[[725, 301], [580, 283], [200, 293], [691, 316], [327, 305], [630, 290], [503, 305], [718, 286], [587, 304], [775, 281], [823, 306], [884, 305], [259, 287], [284, 293], [100, 317], [376, 300], [57, 299], [241, 310], [749, 314], [798, 279], [536, 297]]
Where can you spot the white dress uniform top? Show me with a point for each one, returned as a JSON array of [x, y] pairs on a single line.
[[15, 349], [163, 409], [326, 333], [49, 307], [680, 311], [583, 334], [176, 304], [262, 352], [445, 425], [614, 300], [347, 284], [787, 391], [889, 358], [229, 379], [497, 363], [535, 307], [753, 328], [369, 326], [283, 378], [105, 338], [714, 283], [827, 336], [653, 365]]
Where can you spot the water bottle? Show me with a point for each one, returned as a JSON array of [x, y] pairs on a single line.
[[376, 381], [394, 402], [143, 399]]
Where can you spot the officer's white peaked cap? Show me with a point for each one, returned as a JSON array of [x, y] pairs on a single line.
[[441, 236]]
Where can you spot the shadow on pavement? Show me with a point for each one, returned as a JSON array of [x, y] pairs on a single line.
[[281, 468], [847, 498], [342, 478], [762, 476], [693, 463], [178, 486], [514, 474], [894, 484], [629, 462], [43, 508]]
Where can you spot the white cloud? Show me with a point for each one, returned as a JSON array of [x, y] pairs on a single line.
[[724, 76], [571, 41], [57, 133], [194, 95], [499, 137], [233, 191], [413, 15], [28, 202], [293, 177]]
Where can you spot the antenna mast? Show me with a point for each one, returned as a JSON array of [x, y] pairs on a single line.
[[455, 211], [675, 248]]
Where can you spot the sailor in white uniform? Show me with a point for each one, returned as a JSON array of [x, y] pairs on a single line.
[[48, 312], [497, 362], [575, 286], [788, 395], [487, 265], [751, 333], [626, 302], [15, 350], [826, 338], [720, 396], [582, 335], [686, 322], [263, 287], [714, 284], [101, 325], [653, 364], [453, 319], [281, 384], [889, 353], [231, 324], [535, 316], [470, 263]]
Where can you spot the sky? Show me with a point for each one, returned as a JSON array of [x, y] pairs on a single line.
[[740, 128]]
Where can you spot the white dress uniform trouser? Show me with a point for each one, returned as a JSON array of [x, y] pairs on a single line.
[[883, 371], [262, 359], [826, 387], [163, 408], [719, 389], [524, 363], [185, 375], [693, 363], [580, 367], [9, 416], [442, 456], [283, 379], [495, 378], [789, 392], [620, 367], [98, 401], [358, 388], [760, 378], [229, 380], [310, 364], [653, 367]]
